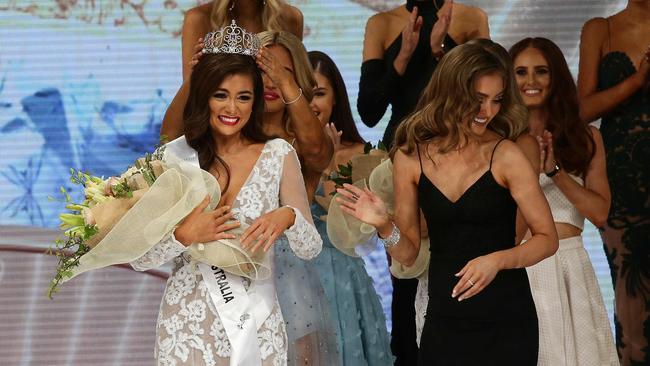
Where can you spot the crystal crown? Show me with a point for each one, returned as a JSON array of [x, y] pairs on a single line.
[[231, 39]]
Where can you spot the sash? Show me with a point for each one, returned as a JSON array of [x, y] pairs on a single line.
[[242, 313]]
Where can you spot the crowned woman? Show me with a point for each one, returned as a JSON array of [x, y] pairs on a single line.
[[208, 315]]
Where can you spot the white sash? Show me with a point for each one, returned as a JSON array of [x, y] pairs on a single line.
[[242, 313]]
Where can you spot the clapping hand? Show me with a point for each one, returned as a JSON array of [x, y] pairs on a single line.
[[363, 204], [441, 27], [547, 156], [334, 135]]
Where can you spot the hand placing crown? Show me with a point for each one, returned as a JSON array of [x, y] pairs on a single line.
[[231, 39]]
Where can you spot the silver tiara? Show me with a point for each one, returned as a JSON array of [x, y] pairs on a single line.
[[232, 39]]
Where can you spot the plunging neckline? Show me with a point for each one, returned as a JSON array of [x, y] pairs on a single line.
[[467, 190], [248, 178]]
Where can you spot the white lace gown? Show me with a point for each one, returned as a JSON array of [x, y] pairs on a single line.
[[189, 331]]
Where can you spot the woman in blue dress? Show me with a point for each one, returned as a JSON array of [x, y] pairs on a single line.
[[354, 305]]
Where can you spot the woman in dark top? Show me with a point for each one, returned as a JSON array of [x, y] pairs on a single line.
[[613, 84], [398, 60], [469, 181]]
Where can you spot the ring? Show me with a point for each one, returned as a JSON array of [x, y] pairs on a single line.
[[355, 196], [470, 282]]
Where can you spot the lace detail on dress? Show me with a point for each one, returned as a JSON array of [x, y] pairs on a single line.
[[303, 237], [161, 253], [189, 330], [260, 192]]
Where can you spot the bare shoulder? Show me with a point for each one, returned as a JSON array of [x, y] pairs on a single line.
[[407, 165], [595, 27], [346, 152], [527, 142], [470, 13], [294, 18], [199, 14]]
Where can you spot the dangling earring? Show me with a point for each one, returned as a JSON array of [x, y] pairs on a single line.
[[232, 6], [263, 2]]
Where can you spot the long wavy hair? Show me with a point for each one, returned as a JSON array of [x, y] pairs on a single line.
[[302, 70], [272, 18], [573, 144], [450, 102], [206, 78], [341, 112], [517, 109]]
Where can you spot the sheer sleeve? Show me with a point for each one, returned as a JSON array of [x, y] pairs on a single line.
[[303, 237], [161, 253], [375, 86]]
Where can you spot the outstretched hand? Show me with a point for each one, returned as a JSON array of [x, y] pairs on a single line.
[[363, 204]]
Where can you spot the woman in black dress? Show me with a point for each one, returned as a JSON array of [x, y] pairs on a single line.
[[400, 51], [469, 180], [614, 85]]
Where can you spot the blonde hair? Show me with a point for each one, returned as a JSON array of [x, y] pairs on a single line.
[[450, 101], [272, 18], [303, 73]]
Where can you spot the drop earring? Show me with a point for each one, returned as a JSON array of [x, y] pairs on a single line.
[[232, 6]]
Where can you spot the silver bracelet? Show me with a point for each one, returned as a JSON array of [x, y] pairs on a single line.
[[392, 239], [293, 101]]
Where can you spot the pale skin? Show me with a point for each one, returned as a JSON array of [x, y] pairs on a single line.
[[196, 24], [461, 22], [593, 199], [311, 142], [629, 34], [230, 109], [453, 173], [322, 105]]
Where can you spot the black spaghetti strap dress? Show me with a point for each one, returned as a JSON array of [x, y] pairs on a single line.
[[498, 326], [381, 85]]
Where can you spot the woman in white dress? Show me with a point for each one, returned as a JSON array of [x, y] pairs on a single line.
[[262, 186], [573, 324]]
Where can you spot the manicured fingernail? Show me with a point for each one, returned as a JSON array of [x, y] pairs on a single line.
[[461, 299], [453, 294]]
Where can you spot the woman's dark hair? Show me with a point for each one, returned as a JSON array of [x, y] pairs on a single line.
[[207, 76], [341, 112], [572, 141]]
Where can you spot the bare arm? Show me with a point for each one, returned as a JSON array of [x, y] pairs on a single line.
[[593, 103], [515, 170], [482, 29], [195, 26], [592, 200], [530, 147], [296, 24]]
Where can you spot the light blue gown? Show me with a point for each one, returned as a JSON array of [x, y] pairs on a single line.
[[359, 321]]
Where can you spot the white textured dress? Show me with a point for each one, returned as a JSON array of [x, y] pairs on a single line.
[[573, 325], [189, 330]]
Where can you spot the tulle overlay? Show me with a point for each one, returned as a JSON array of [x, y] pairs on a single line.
[[357, 315]]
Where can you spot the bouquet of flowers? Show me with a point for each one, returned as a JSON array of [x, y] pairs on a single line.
[[121, 218], [105, 202]]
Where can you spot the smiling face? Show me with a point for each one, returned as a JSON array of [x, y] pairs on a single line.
[[533, 77], [489, 88], [231, 105], [272, 98], [323, 101]]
